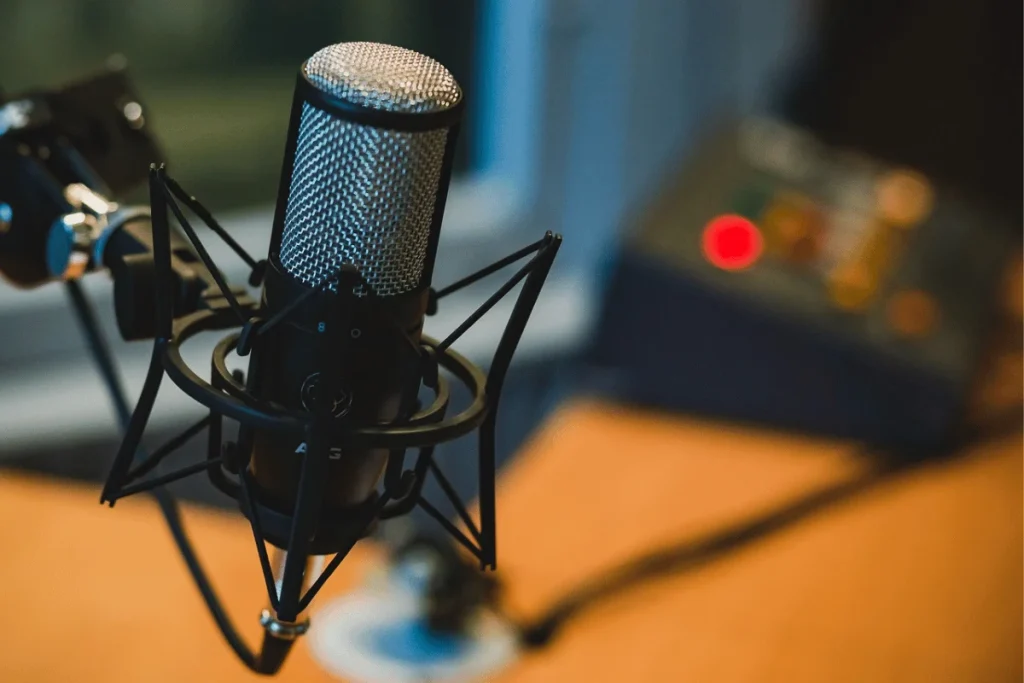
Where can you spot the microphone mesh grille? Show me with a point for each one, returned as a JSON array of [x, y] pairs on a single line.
[[360, 194], [383, 77]]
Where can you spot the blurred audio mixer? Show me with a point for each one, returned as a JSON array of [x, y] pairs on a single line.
[[778, 280]]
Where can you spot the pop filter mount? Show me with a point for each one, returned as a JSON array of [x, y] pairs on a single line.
[[307, 527]]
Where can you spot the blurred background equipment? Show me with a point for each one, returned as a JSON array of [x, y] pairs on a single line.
[[884, 180], [58, 148], [867, 316]]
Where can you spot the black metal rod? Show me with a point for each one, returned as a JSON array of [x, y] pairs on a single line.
[[273, 320], [150, 463], [132, 439], [405, 504], [343, 552], [304, 517], [381, 313], [163, 479], [384, 315], [495, 381], [493, 268], [204, 256], [259, 538], [164, 296], [487, 305], [394, 468], [295, 303], [206, 217], [450, 528], [331, 346], [486, 495], [133, 422], [101, 355], [457, 503], [408, 406], [327, 572], [214, 439], [136, 424]]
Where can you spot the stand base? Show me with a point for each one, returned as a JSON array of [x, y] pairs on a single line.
[[379, 635]]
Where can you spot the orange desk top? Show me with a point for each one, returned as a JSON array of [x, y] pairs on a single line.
[[918, 579]]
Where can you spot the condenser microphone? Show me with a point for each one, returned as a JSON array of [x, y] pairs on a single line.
[[366, 171], [331, 399]]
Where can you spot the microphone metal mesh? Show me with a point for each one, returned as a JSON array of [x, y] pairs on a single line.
[[360, 194]]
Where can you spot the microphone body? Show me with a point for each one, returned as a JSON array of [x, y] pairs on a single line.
[[364, 181]]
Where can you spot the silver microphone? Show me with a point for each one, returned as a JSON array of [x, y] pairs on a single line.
[[364, 194], [367, 164], [366, 171]]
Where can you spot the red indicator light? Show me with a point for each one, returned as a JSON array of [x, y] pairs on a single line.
[[732, 242]]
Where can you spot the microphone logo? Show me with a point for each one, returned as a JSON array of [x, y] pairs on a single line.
[[334, 453]]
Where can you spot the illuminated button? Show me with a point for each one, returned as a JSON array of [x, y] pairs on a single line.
[[855, 279], [851, 287], [793, 228], [912, 313], [904, 198], [732, 242]]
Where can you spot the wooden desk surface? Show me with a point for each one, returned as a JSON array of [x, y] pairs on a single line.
[[918, 579]]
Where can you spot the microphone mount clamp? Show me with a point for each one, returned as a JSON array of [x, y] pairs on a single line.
[[306, 529]]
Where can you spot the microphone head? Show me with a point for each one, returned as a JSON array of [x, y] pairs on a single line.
[[370, 166], [383, 77]]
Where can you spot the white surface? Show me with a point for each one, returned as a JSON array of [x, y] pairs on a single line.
[[338, 634]]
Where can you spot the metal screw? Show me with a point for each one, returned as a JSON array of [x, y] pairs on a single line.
[[6, 215]]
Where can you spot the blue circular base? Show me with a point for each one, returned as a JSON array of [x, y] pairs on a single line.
[[412, 642]]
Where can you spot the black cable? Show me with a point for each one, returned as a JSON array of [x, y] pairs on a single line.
[[692, 555], [100, 351], [172, 515]]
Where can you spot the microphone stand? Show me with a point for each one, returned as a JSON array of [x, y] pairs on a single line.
[[305, 531], [190, 296], [276, 646], [99, 349]]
